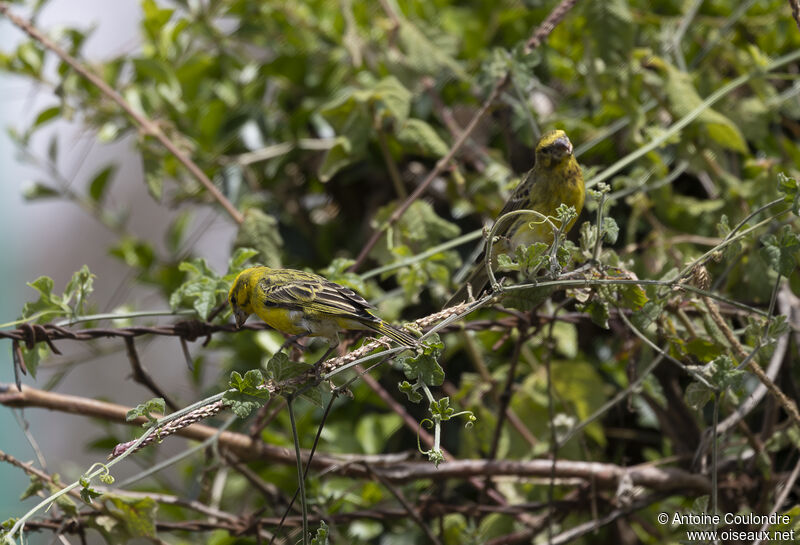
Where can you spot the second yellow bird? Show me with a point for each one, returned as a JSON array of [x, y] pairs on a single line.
[[303, 304], [555, 179]]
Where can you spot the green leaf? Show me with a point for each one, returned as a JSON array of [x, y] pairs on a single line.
[[702, 350], [321, 537], [50, 305], [134, 252], [34, 487], [48, 114], [504, 263], [392, 99], [632, 296], [645, 316], [781, 253], [201, 290], [32, 56], [80, 286], [411, 391], [138, 516], [38, 191], [155, 184], [155, 404], [598, 311], [34, 356], [248, 393], [373, 430], [421, 225], [611, 27], [417, 136], [697, 395], [724, 373], [610, 230], [89, 494], [588, 237], [424, 366], [442, 409], [790, 189], [336, 158], [281, 368], [533, 258], [260, 232], [99, 184], [240, 256]]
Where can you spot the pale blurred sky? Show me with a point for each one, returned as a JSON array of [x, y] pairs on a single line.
[[55, 238]]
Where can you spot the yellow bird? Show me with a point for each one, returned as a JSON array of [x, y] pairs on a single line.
[[302, 304], [555, 179]]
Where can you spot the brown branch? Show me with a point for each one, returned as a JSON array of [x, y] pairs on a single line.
[[38, 473], [142, 375], [243, 446], [246, 525], [147, 126], [701, 278], [549, 24], [574, 533], [795, 5]]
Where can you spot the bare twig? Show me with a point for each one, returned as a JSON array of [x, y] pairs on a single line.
[[549, 24], [142, 376], [795, 5], [147, 126], [410, 509]]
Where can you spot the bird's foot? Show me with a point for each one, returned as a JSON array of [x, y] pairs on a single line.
[[319, 362], [291, 341]]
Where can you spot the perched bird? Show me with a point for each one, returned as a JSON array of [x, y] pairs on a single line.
[[555, 178], [303, 304]]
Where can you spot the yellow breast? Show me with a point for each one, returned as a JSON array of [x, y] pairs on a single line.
[[291, 322]]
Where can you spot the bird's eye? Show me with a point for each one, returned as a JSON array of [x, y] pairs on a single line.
[[233, 300]]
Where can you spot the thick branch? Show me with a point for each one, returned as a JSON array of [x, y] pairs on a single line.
[[603, 475]]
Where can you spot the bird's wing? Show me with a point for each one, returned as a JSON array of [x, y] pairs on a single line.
[[520, 198], [314, 294]]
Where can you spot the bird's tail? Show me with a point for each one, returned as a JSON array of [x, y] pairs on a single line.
[[478, 280], [398, 335]]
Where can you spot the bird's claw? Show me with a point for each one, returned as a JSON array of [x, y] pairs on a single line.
[[292, 341]]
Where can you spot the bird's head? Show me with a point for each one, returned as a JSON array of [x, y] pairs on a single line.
[[553, 149], [241, 295]]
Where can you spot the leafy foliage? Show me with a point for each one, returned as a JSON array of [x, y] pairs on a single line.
[[318, 119]]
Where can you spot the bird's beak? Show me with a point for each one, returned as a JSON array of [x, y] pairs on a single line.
[[563, 142], [240, 316]]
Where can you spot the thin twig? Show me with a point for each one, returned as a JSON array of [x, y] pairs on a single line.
[[410, 509], [505, 396], [795, 5], [142, 375], [147, 126]]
